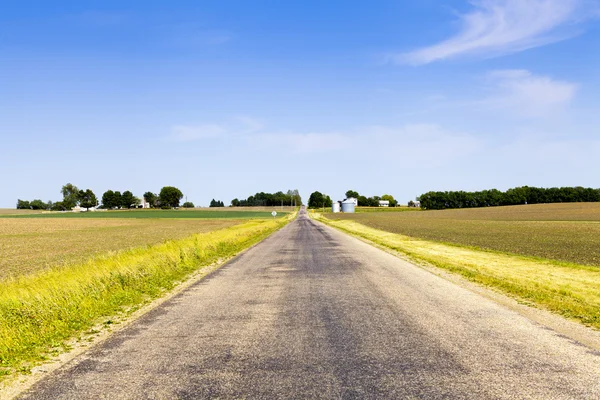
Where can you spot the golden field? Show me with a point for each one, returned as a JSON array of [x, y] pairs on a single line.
[[29, 244]]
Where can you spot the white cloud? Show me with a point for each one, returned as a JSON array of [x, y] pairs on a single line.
[[303, 143], [186, 133], [497, 27], [526, 94]]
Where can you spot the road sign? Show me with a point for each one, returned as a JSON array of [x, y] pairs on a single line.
[[274, 213]]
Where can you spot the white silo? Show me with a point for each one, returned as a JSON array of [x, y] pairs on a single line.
[[348, 206], [335, 207]]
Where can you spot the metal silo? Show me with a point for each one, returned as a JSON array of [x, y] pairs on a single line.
[[348, 206], [335, 207]]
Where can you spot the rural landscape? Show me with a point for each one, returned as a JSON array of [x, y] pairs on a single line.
[[300, 200]]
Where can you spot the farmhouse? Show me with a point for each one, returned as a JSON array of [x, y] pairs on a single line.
[[384, 203]]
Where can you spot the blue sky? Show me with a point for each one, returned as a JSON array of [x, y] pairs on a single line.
[[226, 98]]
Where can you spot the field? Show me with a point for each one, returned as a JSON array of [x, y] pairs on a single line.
[[215, 213], [30, 245], [543, 255], [360, 210], [60, 277], [564, 232]]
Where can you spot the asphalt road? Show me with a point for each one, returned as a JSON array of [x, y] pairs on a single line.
[[312, 313]]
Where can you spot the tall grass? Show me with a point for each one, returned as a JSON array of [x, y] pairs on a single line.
[[39, 312]]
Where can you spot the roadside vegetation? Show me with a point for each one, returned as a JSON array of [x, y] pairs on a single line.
[[41, 309], [567, 288]]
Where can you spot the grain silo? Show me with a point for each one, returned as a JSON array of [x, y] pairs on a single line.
[[335, 207], [348, 205]]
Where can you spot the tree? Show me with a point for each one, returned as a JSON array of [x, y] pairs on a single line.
[[38, 205], [151, 198], [126, 199], [70, 195], [137, 202], [87, 199], [235, 203], [23, 205], [117, 199], [216, 203], [318, 200], [390, 198], [110, 200], [188, 204], [170, 196], [58, 206], [352, 193]]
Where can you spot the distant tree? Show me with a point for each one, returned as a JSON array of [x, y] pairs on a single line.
[[23, 205], [38, 205], [110, 200], [318, 200], [87, 199], [235, 203], [352, 193], [411, 204], [58, 206], [188, 204], [151, 199], [127, 199], [70, 195], [170, 196], [117, 198], [216, 203], [137, 202]]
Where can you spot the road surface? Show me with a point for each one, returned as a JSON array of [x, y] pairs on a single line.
[[312, 313]]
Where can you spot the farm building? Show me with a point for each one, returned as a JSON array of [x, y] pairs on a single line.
[[349, 205], [335, 207], [384, 203]]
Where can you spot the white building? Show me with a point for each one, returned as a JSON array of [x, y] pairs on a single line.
[[384, 203]]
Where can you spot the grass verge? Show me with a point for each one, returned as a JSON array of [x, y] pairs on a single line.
[[569, 289], [39, 312]]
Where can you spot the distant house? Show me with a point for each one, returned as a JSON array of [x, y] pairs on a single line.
[[416, 204], [78, 208], [351, 200], [384, 203], [144, 203]]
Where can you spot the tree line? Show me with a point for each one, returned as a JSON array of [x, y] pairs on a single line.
[[168, 197], [364, 201], [319, 200], [513, 196], [291, 197]]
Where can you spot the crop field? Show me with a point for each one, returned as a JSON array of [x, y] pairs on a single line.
[[563, 232], [385, 209], [30, 245], [566, 288], [152, 214]]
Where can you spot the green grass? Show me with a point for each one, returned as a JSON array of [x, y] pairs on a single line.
[[178, 214], [40, 311], [385, 209], [564, 232]]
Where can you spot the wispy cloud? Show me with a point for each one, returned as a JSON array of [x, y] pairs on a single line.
[[498, 27], [527, 94], [183, 133]]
